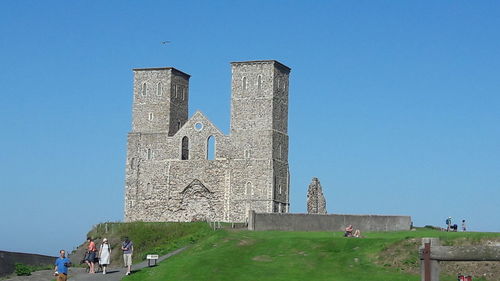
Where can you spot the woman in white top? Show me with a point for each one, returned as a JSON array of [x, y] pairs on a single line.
[[104, 254]]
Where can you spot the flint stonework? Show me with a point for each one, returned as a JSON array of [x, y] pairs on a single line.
[[316, 203], [170, 175]]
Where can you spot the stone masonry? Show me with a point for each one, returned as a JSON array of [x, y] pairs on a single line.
[[316, 203], [186, 169]]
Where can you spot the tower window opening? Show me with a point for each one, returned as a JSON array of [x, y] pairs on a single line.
[[150, 116], [248, 189], [259, 82], [244, 83], [150, 154], [183, 91], [211, 148], [144, 89], [159, 89], [185, 148], [178, 125], [175, 91]]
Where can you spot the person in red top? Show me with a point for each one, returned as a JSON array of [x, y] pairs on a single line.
[[91, 254]]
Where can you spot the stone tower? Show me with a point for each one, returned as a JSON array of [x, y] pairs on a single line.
[[316, 203], [259, 123], [160, 100], [170, 175]]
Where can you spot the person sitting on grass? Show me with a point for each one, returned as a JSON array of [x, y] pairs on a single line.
[[357, 233], [348, 231]]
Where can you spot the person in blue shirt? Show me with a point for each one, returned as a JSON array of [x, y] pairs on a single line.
[[62, 264]]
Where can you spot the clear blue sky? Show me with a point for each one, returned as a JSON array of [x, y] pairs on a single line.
[[394, 105]]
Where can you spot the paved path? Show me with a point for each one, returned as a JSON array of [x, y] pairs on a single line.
[[80, 274]]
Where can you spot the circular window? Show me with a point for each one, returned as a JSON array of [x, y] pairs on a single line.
[[198, 126]]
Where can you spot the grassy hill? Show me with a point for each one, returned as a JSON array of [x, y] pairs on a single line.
[[158, 238], [271, 255]]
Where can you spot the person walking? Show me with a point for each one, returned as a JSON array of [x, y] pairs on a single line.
[[62, 263], [91, 255], [104, 254], [128, 250], [464, 227], [448, 224]]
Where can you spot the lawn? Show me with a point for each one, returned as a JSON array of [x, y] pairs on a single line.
[[274, 255]]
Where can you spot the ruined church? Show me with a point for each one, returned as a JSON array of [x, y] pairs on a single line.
[[185, 169]]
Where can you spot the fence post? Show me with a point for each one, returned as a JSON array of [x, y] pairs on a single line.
[[429, 269]]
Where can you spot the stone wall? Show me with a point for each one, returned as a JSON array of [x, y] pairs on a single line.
[[9, 259], [332, 222]]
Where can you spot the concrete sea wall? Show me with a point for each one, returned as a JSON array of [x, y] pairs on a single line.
[[9, 259], [329, 222]]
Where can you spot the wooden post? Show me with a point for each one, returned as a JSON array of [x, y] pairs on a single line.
[[430, 266], [427, 261]]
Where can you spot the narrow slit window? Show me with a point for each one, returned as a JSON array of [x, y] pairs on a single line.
[[244, 83], [159, 89], [144, 89], [150, 154], [150, 116], [248, 189], [175, 91], [211, 148], [259, 82], [185, 148], [183, 93]]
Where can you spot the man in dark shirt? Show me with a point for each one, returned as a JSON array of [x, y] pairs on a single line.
[[62, 264], [128, 250]]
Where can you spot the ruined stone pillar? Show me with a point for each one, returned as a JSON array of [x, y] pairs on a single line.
[[316, 203]]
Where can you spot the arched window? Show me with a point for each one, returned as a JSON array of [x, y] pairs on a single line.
[[144, 89], [211, 148], [244, 83], [150, 154], [185, 148], [248, 189], [159, 89], [259, 82], [148, 188], [132, 163], [150, 116]]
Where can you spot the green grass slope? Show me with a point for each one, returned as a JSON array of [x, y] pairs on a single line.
[[272, 255], [148, 238]]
